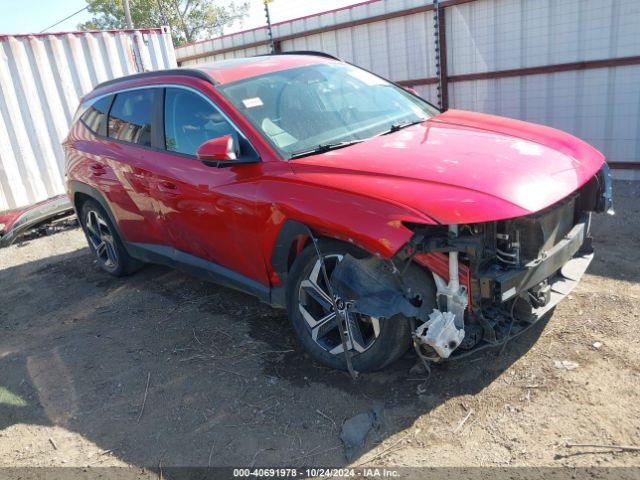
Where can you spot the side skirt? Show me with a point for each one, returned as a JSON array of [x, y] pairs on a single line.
[[198, 267]]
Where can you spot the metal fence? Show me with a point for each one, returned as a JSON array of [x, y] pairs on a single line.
[[570, 64], [42, 78]]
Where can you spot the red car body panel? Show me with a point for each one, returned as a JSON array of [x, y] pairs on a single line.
[[95, 162], [209, 212], [455, 170], [458, 167]]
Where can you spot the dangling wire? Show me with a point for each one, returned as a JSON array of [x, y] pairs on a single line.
[[343, 337], [513, 319], [422, 388]]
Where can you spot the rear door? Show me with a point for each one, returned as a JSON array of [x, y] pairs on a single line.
[[208, 212], [131, 129], [111, 140]]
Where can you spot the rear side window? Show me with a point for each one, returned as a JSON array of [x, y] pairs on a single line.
[[130, 117], [190, 120], [95, 115]]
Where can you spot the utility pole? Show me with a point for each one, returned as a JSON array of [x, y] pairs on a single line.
[[127, 13], [272, 46], [136, 42]]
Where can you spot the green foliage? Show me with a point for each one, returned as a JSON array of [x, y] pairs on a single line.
[[189, 20]]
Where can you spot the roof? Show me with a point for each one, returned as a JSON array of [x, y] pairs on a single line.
[[171, 72], [227, 71]]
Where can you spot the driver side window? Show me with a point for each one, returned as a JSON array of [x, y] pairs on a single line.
[[190, 120]]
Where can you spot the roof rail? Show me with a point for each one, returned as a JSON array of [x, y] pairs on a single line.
[[304, 52], [189, 72]]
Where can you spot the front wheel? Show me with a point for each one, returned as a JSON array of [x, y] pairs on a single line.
[[375, 342]]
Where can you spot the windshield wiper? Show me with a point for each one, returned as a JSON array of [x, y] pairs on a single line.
[[322, 148], [325, 147], [399, 126]]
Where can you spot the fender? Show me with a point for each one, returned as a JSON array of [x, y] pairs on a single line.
[[375, 225], [76, 187], [291, 231]]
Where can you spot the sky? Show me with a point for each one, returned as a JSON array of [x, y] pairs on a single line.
[[32, 16]]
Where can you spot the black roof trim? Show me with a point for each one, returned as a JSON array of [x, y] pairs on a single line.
[[314, 53], [189, 72]]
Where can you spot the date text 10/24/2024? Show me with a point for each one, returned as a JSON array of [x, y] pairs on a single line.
[[368, 472]]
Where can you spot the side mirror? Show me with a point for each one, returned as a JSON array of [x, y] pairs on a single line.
[[221, 149]]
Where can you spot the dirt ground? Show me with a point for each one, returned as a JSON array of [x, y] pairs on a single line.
[[228, 385]]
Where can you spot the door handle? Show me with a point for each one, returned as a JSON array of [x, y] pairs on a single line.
[[97, 169], [168, 187]]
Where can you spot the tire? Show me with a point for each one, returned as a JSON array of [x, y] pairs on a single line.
[[379, 342], [105, 242]]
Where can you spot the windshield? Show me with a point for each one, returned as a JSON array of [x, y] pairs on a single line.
[[306, 108]]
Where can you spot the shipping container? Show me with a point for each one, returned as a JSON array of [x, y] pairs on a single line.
[[42, 78]]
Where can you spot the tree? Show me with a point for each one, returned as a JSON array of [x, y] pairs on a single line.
[[189, 20]]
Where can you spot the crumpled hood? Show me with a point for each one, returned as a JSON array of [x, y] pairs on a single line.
[[461, 167]]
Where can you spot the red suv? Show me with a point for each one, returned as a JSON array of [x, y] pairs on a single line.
[[375, 219]]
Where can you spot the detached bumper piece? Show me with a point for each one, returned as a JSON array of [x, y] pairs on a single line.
[[15, 224]]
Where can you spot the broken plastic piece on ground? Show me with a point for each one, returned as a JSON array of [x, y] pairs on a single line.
[[354, 433], [565, 365]]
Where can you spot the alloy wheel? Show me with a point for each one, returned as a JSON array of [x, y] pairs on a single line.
[[316, 308], [101, 239]]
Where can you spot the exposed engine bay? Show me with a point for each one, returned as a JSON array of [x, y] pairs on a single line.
[[493, 280]]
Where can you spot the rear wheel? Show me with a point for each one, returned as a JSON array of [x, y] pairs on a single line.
[[375, 342], [105, 242]]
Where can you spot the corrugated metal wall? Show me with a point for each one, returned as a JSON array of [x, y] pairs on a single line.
[[42, 78], [234, 43], [600, 105]]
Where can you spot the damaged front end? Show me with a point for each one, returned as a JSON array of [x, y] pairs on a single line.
[[493, 280], [377, 287]]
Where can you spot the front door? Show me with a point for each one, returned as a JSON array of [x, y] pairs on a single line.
[[208, 212]]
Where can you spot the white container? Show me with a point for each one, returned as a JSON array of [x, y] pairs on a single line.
[[42, 78]]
